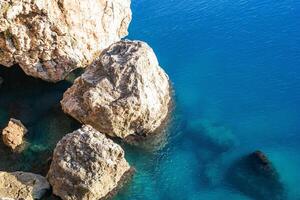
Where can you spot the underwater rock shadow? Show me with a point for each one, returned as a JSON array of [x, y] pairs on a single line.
[[255, 176], [211, 142], [211, 135]]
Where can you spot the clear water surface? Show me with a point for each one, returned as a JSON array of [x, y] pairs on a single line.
[[236, 65]]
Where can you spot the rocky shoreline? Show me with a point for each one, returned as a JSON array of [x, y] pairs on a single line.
[[122, 93]]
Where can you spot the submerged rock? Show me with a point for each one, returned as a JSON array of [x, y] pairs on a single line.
[[255, 176], [87, 166], [22, 185], [262, 164], [212, 135], [50, 38], [13, 134], [123, 93], [1, 81]]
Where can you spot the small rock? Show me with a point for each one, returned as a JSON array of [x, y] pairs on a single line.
[[123, 93], [13, 134], [22, 185], [87, 166], [255, 176]]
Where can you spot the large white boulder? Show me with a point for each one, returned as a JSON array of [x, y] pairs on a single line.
[[123, 93], [50, 38]]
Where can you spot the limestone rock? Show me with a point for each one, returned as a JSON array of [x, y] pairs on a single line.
[[22, 185], [50, 38], [123, 93], [87, 165], [13, 134]]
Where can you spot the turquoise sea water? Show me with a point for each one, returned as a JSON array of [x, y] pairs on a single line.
[[235, 70], [235, 66]]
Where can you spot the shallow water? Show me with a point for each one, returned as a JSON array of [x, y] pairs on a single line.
[[235, 70], [36, 104]]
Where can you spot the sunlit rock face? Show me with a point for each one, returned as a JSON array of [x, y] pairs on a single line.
[[22, 185], [50, 38], [13, 134], [123, 93], [88, 166]]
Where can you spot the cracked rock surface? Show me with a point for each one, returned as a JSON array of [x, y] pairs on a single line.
[[123, 93], [22, 185], [50, 38], [87, 166]]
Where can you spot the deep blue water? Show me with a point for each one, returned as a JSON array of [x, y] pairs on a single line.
[[234, 66], [233, 63]]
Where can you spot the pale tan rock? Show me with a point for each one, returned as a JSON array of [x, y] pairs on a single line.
[[50, 38], [123, 93], [87, 166], [13, 134], [22, 185]]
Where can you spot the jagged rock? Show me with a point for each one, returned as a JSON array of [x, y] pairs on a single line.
[[255, 176], [50, 38], [13, 134], [123, 93], [87, 166], [22, 185]]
